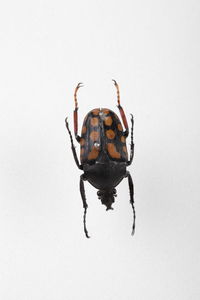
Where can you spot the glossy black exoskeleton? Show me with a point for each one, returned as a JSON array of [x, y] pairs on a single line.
[[103, 153]]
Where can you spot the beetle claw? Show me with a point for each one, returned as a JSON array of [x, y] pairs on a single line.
[[115, 82], [80, 84]]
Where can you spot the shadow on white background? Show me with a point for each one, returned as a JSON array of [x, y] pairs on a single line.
[[152, 50]]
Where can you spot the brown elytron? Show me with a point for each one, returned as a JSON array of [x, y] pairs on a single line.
[[104, 132]]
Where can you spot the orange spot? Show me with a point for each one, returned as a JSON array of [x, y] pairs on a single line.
[[124, 149], [112, 151], [119, 126], [123, 140], [93, 154], [96, 111], [83, 129], [82, 142], [105, 111], [94, 121], [108, 121], [94, 135], [110, 134]]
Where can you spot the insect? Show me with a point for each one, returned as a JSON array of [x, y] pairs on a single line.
[[103, 153]]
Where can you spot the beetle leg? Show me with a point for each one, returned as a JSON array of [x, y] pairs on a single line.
[[85, 206], [73, 147], [76, 113], [122, 113], [131, 190], [132, 143]]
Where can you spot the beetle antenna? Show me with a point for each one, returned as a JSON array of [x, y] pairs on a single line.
[[118, 94]]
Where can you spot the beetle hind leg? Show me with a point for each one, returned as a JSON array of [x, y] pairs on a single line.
[[85, 206], [131, 190]]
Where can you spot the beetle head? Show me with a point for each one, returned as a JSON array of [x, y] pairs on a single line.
[[107, 197]]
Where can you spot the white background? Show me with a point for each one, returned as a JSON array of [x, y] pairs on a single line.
[[152, 49]]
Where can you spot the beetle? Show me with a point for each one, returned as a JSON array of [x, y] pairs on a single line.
[[103, 153]]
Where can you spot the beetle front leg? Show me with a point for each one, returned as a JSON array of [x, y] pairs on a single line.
[[85, 206], [73, 147], [132, 144], [131, 190], [76, 113], [122, 113]]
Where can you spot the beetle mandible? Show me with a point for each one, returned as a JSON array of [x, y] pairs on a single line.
[[103, 153]]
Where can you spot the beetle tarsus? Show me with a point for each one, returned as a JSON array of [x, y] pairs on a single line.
[[115, 82], [80, 84], [133, 227], [84, 222], [131, 190], [118, 94], [122, 113]]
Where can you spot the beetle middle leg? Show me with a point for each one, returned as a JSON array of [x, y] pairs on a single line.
[[131, 190], [73, 147], [85, 206], [76, 113], [122, 113]]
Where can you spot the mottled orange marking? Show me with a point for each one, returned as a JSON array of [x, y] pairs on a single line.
[[119, 126], [108, 121], [94, 121], [110, 134], [93, 154], [124, 149], [82, 151], [94, 135], [83, 129], [105, 111], [123, 139], [96, 111], [82, 142], [112, 151]]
